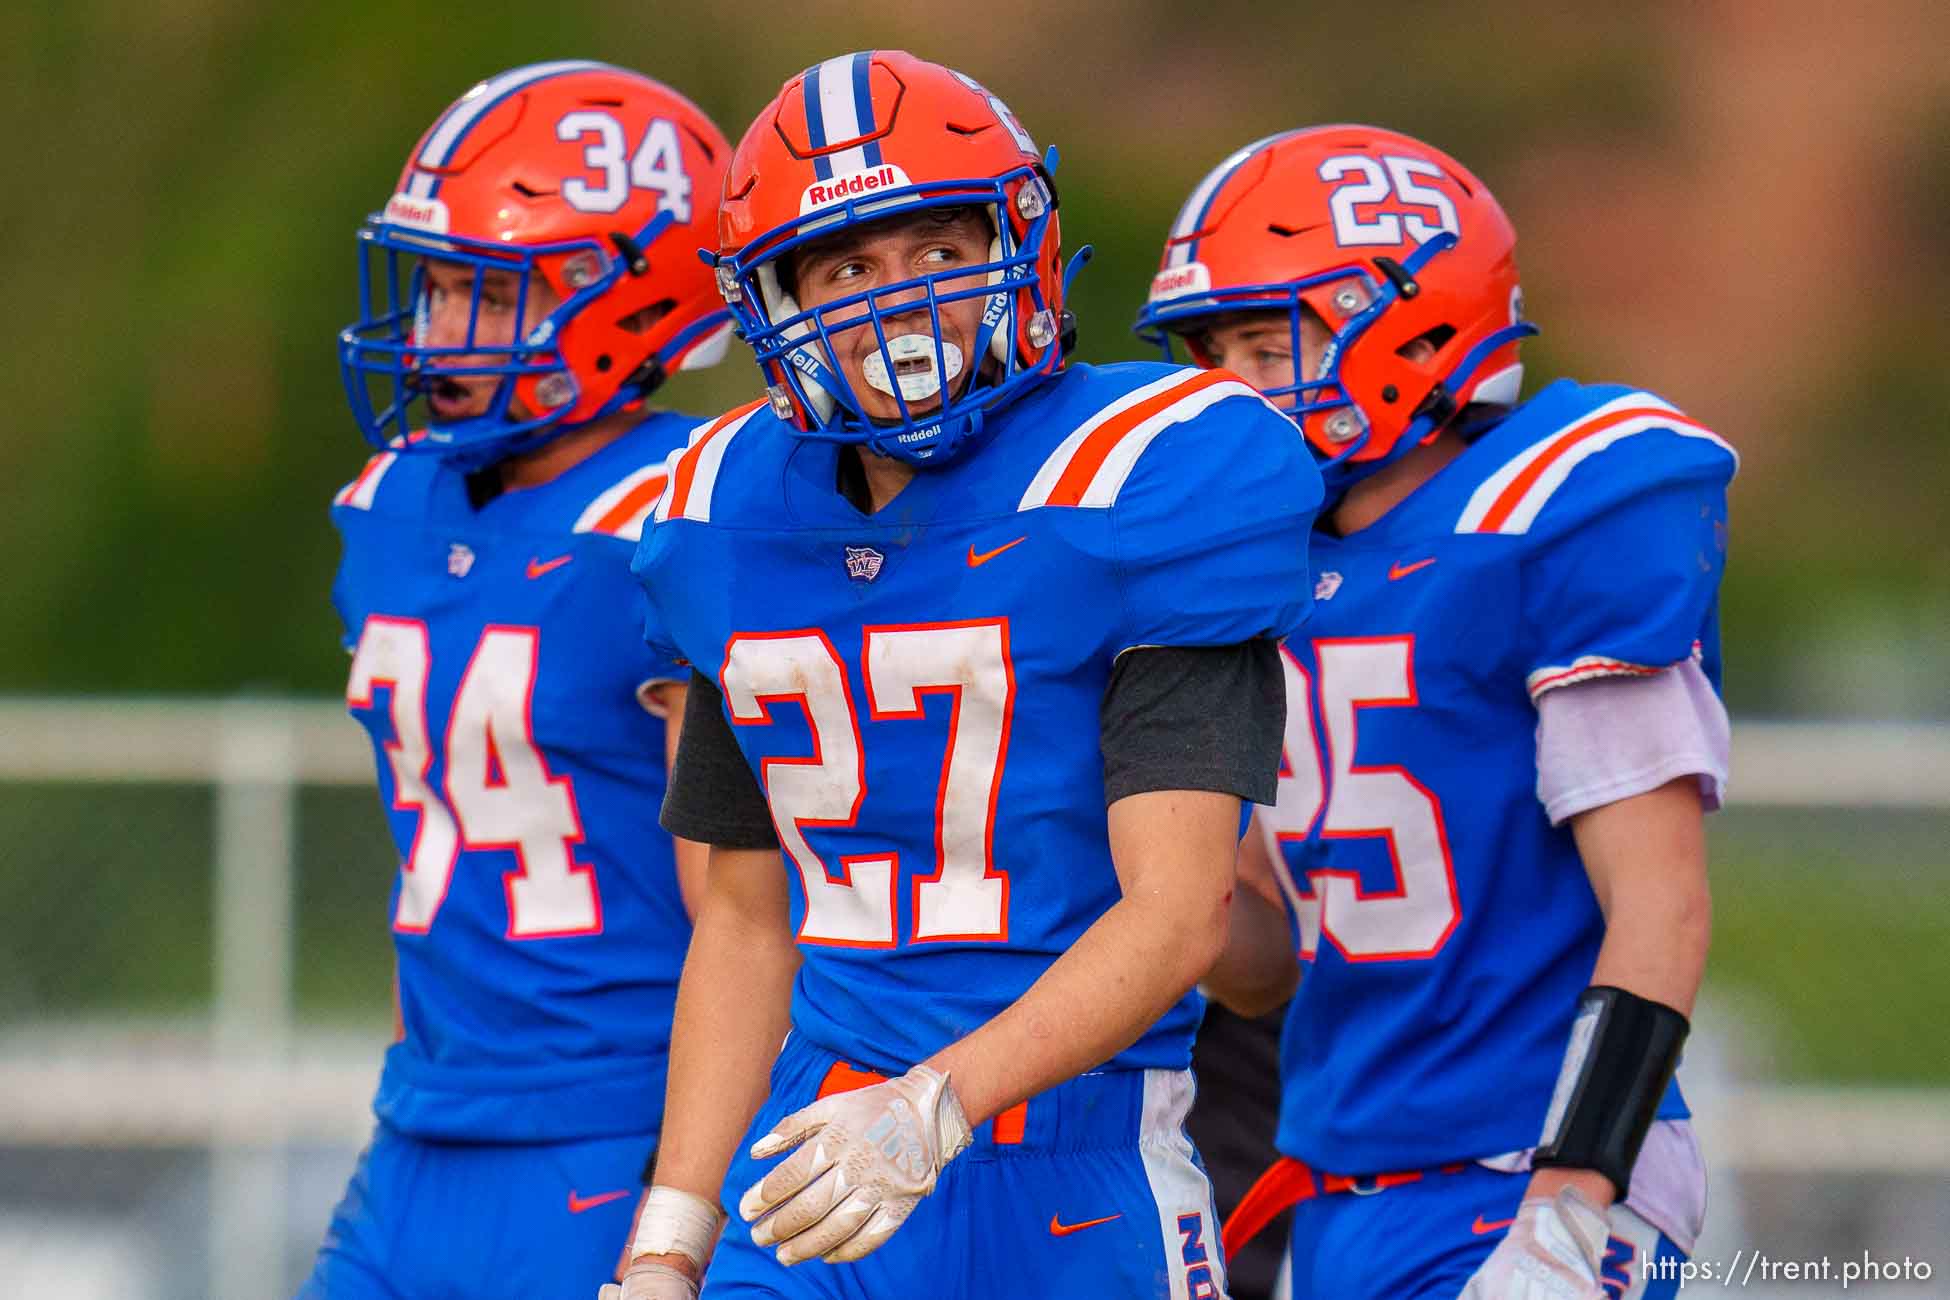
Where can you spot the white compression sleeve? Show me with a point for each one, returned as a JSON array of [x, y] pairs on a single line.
[[1610, 738]]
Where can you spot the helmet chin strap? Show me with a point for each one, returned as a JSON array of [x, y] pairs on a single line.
[[1440, 404], [1437, 409], [813, 386], [998, 330]]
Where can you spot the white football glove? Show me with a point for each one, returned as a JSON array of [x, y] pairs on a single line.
[[867, 1159], [648, 1281], [669, 1222], [1552, 1252]]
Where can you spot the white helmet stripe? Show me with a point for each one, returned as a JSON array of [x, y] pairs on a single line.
[[447, 133], [1192, 215], [839, 116]]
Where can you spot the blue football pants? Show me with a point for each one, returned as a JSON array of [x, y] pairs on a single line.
[[1423, 1240], [460, 1221], [1090, 1189]]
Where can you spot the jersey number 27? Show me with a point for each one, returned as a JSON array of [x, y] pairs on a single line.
[[964, 897]]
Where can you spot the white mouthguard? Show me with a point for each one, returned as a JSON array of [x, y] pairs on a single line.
[[917, 381]]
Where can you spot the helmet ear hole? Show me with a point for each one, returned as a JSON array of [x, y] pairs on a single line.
[[649, 374], [645, 319], [1426, 344]]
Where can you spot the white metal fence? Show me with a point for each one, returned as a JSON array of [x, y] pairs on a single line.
[[255, 1082]]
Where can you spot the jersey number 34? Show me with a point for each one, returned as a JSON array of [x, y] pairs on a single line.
[[498, 793]]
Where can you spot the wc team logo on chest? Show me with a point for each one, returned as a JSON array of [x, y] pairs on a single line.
[[863, 563]]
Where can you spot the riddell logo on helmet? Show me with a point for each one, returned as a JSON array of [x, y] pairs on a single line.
[[418, 214], [821, 193], [1175, 280]]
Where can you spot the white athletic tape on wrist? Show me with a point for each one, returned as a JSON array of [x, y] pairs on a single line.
[[675, 1222]]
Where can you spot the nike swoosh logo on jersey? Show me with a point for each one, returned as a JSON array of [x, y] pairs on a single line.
[[976, 559], [1399, 570], [536, 568], [1479, 1227], [1057, 1228], [577, 1204]]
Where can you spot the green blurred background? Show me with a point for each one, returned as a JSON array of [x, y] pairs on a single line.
[[1744, 206]]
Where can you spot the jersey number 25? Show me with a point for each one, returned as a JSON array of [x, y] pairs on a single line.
[[1415, 918]]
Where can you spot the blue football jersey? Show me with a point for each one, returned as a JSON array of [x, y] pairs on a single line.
[[918, 689], [1446, 928], [498, 664]]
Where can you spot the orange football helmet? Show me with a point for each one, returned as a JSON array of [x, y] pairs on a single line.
[[862, 138], [1387, 241], [601, 182]]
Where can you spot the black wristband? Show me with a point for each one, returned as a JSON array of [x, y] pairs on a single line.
[[1622, 1054]]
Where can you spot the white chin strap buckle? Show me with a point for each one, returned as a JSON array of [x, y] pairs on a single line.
[[914, 366]]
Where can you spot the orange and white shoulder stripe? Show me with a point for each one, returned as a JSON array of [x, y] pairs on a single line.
[[623, 506], [360, 491], [1510, 500], [1089, 467], [694, 470]]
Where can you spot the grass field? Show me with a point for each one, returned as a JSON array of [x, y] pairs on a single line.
[[1831, 928]]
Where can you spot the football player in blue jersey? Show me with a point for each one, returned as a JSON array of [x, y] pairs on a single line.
[[1503, 728], [529, 284], [984, 654]]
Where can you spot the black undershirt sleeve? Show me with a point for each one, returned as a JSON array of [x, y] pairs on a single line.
[[1172, 718], [713, 797], [1195, 718]]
